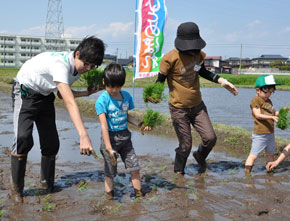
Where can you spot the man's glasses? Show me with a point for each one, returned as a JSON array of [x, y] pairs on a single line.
[[89, 66]]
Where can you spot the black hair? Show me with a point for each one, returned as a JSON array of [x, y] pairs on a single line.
[[268, 87], [91, 50], [114, 75]]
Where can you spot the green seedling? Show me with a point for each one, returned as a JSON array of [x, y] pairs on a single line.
[[174, 177], [191, 195], [149, 165], [155, 187], [37, 192], [137, 199], [283, 119], [152, 118], [31, 186], [68, 182], [46, 205], [190, 183], [115, 208], [94, 77], [204, 175], [82, 185], [2, 211], [147, 178], [153, 93], [151, 200], [233, 171], [224, 181], [161, 169]]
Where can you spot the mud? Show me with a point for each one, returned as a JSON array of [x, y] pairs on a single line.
[[222, 193]]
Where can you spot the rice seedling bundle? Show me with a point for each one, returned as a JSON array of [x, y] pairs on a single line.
[[153, 93], [283, 119], [152, 118]]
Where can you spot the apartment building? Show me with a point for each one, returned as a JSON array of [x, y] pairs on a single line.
[[16, 49]]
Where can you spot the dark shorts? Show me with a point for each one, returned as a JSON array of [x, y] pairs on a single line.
[[121, 143]]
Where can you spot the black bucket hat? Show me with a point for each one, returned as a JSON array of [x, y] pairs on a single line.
[[188, 38]]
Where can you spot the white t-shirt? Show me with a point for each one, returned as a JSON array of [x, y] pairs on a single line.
[[41, 72]]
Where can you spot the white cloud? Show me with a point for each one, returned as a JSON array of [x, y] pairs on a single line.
[[254, 23], [287, 29], [4, 32], [117, 29], [80, 31], [34, 31], [233, 37]]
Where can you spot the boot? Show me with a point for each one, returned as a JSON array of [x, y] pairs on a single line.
[[110, 195], [18, 166], [47, 173], [200, 155], [138, 193], [248, 170], [179, 164]]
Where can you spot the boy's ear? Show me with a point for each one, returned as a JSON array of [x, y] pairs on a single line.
[[77, 54], [257, 90]]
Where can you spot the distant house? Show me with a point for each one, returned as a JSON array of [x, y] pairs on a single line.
[[109, 58], [264, 61], [215, 64], [124, 61], [235, 62]]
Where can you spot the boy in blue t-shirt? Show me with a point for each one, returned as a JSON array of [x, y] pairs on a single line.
[[112, 107]]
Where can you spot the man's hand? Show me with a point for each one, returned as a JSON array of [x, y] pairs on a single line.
[[85, 145], [94, 88], [113, 156], [229, 86]]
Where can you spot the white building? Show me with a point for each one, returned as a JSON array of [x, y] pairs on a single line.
[[15, 49]]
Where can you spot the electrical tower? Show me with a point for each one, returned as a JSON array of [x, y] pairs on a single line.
[[54, 20]]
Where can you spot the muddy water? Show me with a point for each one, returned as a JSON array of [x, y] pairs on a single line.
[[222, 106], [222, 193]]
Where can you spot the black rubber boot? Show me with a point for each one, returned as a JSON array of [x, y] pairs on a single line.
[[47, 173], [179, 164], [200, 155], [18, 166]]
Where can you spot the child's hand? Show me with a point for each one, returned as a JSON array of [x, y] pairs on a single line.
[[144, 128], [113, 156], [275, 118], [271, 166]]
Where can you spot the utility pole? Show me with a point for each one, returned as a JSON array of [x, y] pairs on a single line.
[[54, 20], [240, 59]]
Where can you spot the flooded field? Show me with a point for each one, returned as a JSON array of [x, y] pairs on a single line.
[[222, 193]]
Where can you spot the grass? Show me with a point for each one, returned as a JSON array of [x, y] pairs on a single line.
[[46, 205]]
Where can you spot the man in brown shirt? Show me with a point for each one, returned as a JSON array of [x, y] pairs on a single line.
[[182, 67]]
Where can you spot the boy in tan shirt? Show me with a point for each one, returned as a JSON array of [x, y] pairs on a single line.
[[264, 116]]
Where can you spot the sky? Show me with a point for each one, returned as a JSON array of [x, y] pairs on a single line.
[[231, 28]]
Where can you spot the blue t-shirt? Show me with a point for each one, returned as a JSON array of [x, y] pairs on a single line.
[[115, 109]]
